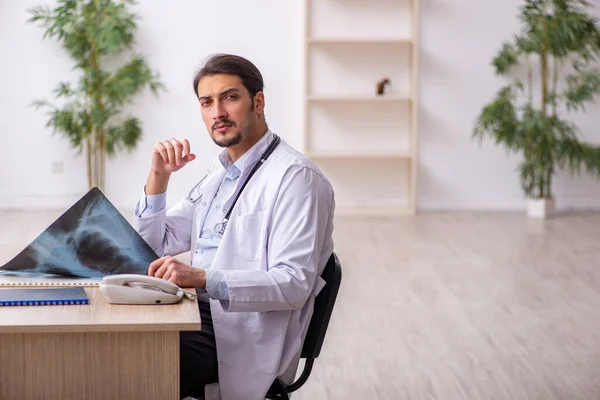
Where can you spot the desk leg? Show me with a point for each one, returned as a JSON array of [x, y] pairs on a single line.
[[92, 365]]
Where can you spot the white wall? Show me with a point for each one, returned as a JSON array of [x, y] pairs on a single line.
[[458, 41], [459, 38], [176, 37]]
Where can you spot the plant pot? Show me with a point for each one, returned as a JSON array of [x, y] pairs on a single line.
[[540, 208]]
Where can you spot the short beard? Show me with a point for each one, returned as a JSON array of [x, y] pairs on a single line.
[[229, 142], [237, 139]]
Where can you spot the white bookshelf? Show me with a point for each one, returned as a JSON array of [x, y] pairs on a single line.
[[364, 142]]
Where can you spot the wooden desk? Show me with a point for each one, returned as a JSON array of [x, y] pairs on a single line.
[[95, 351]]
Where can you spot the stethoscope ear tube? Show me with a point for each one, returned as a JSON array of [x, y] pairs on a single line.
[[221, 226], [196, 187]]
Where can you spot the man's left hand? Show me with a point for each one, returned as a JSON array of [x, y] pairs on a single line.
[[173, 270]]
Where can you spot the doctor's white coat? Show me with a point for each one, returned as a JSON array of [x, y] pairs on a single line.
[[276, 245]]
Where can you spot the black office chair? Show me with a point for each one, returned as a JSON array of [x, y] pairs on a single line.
[[332, 274]]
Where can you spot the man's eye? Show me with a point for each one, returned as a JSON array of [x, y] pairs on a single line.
[[231, 97], [204, 103]]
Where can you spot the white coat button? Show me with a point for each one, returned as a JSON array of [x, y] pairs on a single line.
[[216, 320], [220, 362], [204, 204]]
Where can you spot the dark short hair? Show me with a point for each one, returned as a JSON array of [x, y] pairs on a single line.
[[232, 65]]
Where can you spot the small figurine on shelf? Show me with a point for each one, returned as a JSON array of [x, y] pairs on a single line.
[[381, 86]]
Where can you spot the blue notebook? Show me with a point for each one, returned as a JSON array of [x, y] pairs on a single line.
[[43, 297]]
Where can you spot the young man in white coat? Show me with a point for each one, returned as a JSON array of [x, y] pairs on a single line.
[[257, 275]]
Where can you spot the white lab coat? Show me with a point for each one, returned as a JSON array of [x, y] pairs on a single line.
[[276, 245]]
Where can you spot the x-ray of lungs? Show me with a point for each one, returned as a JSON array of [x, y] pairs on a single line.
[[90, 240]]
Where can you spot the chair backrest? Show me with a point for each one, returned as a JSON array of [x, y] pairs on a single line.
[[332, 275]]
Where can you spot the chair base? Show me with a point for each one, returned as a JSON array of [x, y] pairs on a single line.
[[277, 391]]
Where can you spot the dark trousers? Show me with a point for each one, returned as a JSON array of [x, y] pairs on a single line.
[[198, 355]]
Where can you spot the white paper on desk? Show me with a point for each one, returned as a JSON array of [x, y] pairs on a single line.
[[90, 240]]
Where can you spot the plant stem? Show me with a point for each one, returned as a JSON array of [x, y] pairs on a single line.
[[97, 99], [529, 81], [89, 161], [544, 66], [549, 183], [102, 159], [555, 82], [97, 168]]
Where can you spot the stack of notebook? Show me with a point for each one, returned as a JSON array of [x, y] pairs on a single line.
[[43, 297]]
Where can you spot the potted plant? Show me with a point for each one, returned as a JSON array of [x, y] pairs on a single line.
[[90, 113], [559, 44]]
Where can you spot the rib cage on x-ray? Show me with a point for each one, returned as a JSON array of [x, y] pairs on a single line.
[[90, 240]]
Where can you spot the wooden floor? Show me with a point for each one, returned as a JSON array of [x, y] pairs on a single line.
[[449, 306]]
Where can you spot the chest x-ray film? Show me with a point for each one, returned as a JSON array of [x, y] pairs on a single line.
[[90, 240]]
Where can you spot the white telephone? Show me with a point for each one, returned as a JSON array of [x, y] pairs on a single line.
[[140, 289]]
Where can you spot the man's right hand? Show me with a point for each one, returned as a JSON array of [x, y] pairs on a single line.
[[168, 156]]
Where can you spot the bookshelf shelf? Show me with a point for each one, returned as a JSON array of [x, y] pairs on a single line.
[[356, 98], [358, 41], [356, 155], [379, 211]]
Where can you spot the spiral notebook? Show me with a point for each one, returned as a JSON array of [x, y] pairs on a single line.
[[87, 242], [43, 297]]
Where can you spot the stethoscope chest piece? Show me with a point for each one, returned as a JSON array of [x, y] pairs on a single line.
[[220, 227]]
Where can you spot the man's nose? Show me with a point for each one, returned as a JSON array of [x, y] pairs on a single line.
[[219, 111]]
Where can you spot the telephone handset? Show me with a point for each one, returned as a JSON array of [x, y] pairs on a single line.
[[139, 289]]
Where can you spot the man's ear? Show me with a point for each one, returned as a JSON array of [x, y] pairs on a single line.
[[259, 103]]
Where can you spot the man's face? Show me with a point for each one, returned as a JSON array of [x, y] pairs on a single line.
[[228, 111]]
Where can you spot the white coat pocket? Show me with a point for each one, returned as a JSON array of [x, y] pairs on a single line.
[[249, 231]]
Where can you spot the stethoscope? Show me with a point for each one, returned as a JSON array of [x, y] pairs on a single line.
[[195, 194]]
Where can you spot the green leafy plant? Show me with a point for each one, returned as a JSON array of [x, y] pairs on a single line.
[[95, 33], [562, 41]]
